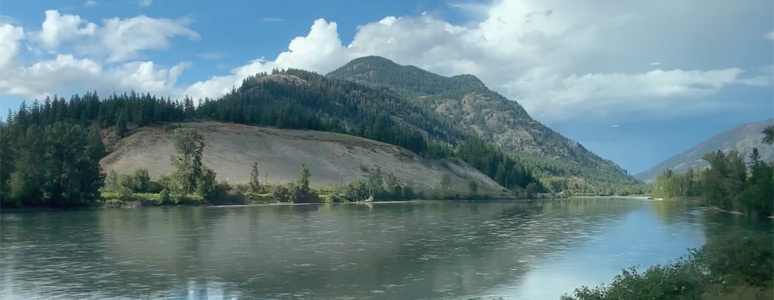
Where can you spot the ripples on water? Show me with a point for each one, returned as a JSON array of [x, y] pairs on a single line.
[[387, 251]]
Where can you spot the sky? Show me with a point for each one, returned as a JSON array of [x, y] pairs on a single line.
[[634, 81]]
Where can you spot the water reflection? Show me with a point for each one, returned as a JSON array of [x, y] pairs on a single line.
[[386, 251]]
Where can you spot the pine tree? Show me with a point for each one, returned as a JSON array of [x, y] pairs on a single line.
[[255, 184]]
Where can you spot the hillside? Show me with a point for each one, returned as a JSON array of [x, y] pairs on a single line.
[[742, 139], [466, 102], [332, 158]]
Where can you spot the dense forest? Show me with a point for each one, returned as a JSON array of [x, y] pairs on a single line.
[[466, 102], [291, 99], [730, 183]]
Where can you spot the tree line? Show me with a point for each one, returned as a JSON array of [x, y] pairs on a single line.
[[314, 102], [730, 183]]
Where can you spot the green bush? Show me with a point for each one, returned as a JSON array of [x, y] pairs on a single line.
[[725, 268], [281, 193]]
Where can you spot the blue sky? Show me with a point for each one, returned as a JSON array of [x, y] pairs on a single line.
[[635, 82]]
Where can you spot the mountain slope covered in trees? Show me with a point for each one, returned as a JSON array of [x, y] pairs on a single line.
[[465, 101], [741, 139]]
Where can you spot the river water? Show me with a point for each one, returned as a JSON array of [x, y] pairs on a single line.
[[422, 249]]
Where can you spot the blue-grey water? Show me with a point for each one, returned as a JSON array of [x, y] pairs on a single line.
[[425, 250]]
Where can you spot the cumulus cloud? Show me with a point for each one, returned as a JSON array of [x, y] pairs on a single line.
[[109, 50], [560, 59], [9, 43], [117, 39], [320, 49], [125, 38], [555, 57], [67, 73], [59, 28], [596, 95]]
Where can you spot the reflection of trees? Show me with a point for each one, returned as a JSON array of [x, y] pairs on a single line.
[[432, 249], [427, 249]]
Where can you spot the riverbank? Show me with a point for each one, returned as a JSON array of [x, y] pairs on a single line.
[[735, 212]]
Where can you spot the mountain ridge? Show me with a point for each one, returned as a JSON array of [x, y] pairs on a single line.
[[741, 138], [466, 101]]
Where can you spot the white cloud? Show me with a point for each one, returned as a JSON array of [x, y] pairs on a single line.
[[144, 3], [90, 3], [117, 39], [560, 59], [58, 28], [532, 51], [769, 35], [9, 43], [597, 95], [109, 45], [321, 49], [125, 38], [66, 73]]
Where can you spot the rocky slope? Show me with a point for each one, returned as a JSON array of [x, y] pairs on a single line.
[[464, 100]]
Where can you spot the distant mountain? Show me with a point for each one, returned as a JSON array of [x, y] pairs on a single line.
[[742, 139], [465, 101]]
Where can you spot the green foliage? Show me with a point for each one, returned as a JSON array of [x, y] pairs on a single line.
[[669, 184], [120, 125], [142, 181], [718, 269], [356, 191], [531, 190], [281, 193], [190, 175], [490, 160], [376, 183], [726, 184], [54, 165], [467, 103], [302, 192], [473, 187], [255, 184], [768, 135], [739, 259]]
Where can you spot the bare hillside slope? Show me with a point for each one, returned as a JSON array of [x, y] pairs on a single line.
[[231, 149]]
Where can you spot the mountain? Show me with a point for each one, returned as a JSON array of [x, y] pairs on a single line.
[[466, 102], [436, 118], [742, 139], [332, 158]]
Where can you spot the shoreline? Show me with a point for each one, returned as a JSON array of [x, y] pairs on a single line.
[[138, 204], [735, 212]]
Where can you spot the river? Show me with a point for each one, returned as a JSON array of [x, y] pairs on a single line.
[[422, 249]]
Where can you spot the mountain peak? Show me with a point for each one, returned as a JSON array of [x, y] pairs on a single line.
[[406, 79]]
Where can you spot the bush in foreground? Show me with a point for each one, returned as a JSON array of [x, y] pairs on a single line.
[[738, 266]]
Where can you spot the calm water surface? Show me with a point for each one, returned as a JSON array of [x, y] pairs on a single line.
[[430, 250]]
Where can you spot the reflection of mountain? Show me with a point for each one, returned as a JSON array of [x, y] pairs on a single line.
[[424, 250]]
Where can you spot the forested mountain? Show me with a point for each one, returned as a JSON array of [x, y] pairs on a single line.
[[741, 139], [433, 116], [465, 101]]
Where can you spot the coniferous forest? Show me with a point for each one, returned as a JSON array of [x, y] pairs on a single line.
[[39, 171], [730, 183]]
